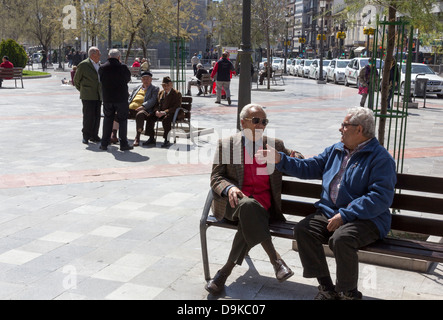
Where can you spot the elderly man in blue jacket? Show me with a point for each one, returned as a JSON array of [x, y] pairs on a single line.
[[358, 180]]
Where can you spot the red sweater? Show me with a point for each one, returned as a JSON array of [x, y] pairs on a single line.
[[256, 181]]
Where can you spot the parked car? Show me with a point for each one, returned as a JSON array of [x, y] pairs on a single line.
[[293, 66], [288, 63], [418, 70], [306, 68], [353, 70], [277, 63], [300, 66], [336, 70], [36, 57], [314, 69]]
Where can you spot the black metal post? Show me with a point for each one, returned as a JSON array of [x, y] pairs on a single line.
[[321, 80], [245, 54]]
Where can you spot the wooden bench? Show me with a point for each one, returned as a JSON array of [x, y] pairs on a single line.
[[417, 211], [207, 83], [12, 74], [181, 117]]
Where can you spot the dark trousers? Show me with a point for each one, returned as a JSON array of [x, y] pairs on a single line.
[[91, 118], [150, 124], [311, 233], [119, 112], [252, 229]]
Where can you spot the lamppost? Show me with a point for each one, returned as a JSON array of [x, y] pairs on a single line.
[[286, 42], [244, 92], [322, 4]]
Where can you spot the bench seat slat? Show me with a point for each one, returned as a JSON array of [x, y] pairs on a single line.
[[415, 244], [398, 249]]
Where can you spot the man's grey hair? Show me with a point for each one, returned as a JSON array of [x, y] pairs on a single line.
[[114, 53], [244, 113], [364, 117], [93, 50]]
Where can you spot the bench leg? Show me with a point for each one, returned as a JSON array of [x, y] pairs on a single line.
[[204, 245], [203, 239]]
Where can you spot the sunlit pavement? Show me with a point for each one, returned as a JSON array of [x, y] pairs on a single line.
[[80, 223]]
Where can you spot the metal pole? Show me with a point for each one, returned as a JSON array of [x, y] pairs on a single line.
[[321, 80], [286, 46], [245, 53]]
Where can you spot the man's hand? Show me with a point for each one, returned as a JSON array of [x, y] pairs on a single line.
[[160, 114], [234, 194], [335, 222], [270, 155]]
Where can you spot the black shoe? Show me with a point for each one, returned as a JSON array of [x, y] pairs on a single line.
[[325, 294], [200, 93], [229, 101], [188, 93], [85, 141], [96, 139], [151, 141], [166, 144], [126, 148], [104, 148], [217, 102], [350, 295]]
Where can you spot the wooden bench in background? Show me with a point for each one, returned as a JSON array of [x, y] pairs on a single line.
[[417, 214], [12, 74]]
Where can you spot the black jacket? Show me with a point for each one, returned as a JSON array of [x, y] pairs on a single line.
[[224, 70], [114, 77]]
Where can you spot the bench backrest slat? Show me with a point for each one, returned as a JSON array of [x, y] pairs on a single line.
[[417, 225], [419, 183]]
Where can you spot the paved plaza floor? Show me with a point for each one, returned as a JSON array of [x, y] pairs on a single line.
[[79, 223]]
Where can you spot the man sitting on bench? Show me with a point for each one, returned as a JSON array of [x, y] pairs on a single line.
[[5, 64], [358, 179], [246, 192]]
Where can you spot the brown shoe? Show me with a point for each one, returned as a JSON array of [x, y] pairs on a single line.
[[114, 140], [282, 271], [216, 285]]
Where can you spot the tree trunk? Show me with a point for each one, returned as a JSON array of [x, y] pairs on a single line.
[[386, 72]]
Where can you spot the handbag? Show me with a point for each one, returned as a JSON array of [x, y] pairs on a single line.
[[363, 90]]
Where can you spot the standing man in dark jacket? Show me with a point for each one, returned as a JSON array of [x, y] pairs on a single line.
[[223, 69], [115, 77], [86, 81]]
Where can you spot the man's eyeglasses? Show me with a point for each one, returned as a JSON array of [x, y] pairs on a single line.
[[258, 120], [345, 125]]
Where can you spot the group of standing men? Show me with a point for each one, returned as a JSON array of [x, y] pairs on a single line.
[[109, 83]]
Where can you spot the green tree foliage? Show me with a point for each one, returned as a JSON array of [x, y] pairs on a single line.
[[15, 52]]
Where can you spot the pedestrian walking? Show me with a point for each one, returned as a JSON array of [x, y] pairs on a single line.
[[223, 70]]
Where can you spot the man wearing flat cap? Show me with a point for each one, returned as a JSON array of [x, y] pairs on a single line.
[[169, 100], [142, 102]]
